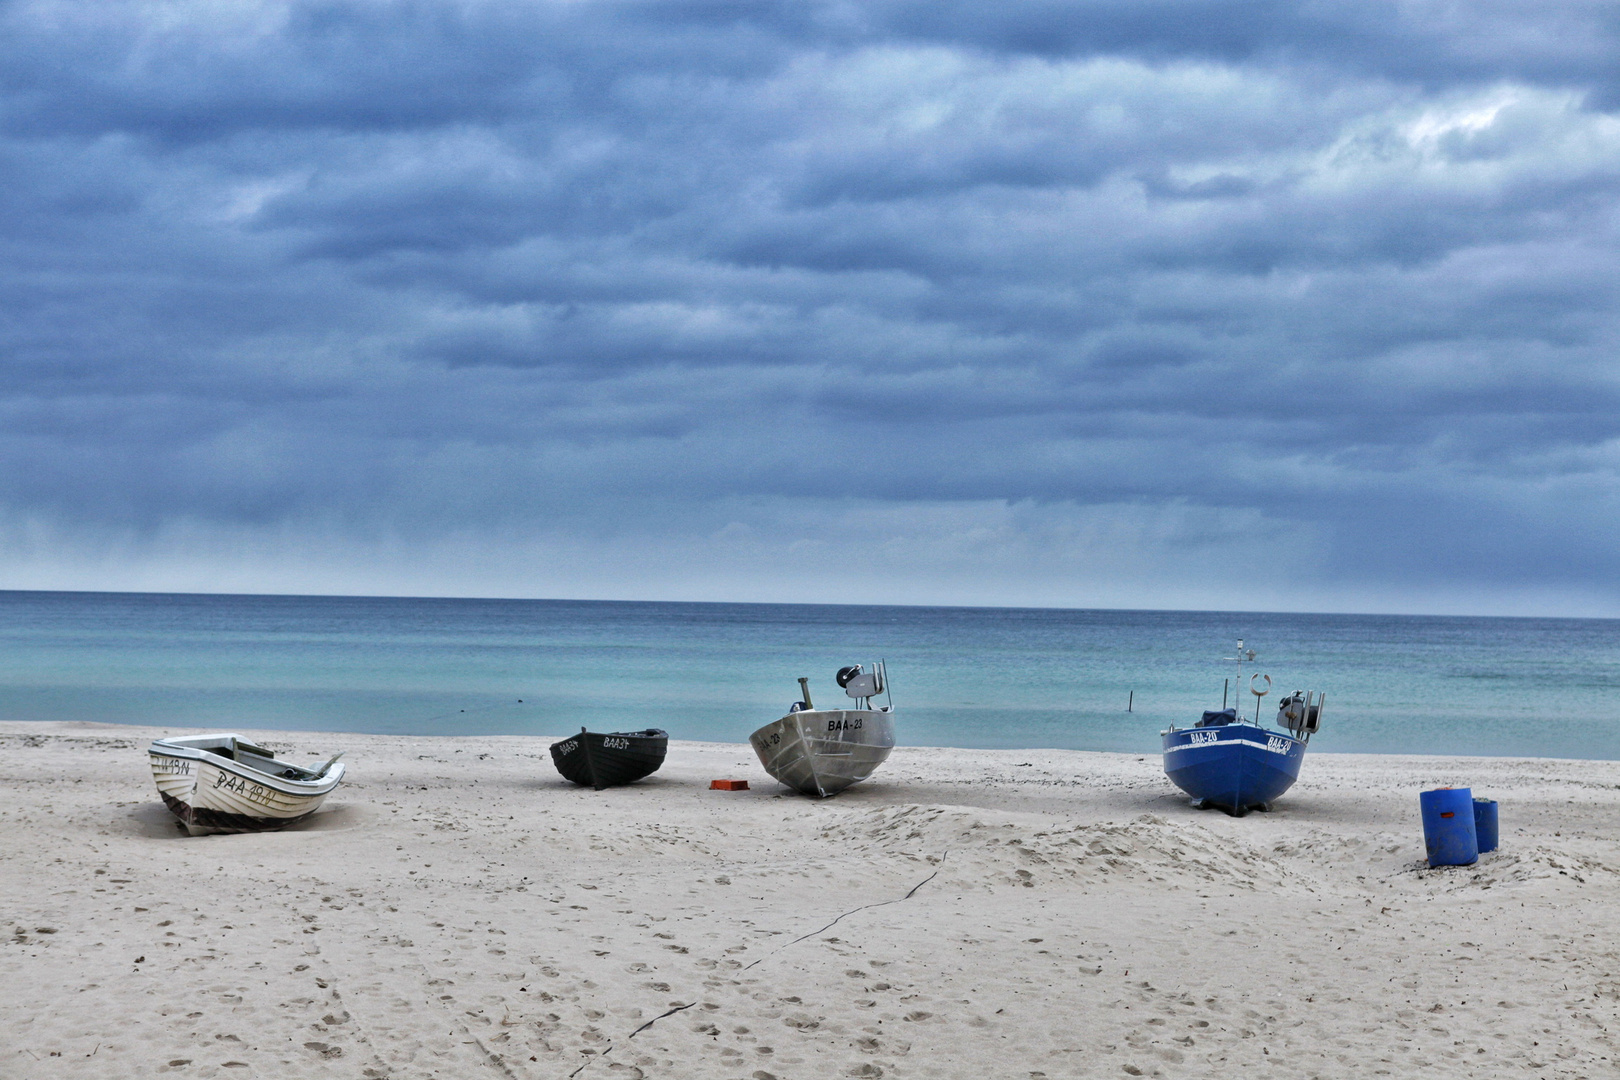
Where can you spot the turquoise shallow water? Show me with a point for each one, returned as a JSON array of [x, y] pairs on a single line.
[[973, 677]]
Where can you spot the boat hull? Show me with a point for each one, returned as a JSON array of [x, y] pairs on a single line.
[[1235, 767], [600, 760], [213, 793], [823, 751]]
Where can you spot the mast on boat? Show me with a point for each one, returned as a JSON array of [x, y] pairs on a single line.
[[1237, 686]]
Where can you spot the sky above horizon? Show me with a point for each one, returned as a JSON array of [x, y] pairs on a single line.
[[1239, 305]]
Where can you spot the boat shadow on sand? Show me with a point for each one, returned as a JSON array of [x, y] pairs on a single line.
[[558, 784], [153, 821]]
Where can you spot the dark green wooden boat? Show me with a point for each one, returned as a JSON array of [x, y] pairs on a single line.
[[601, 760]]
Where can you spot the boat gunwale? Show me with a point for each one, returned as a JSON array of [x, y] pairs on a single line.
[[1234, 733]]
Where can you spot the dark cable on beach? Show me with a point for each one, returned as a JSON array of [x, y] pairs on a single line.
[[660, 1016], [882, 903]]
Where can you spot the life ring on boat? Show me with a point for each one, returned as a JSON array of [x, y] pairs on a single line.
[[845, 674], [1259, 693]]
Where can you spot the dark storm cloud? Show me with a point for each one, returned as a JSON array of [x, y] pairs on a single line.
[[1033, 283]]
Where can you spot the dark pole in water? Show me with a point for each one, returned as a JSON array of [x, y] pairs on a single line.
[[1226, 684], [1130, 704]]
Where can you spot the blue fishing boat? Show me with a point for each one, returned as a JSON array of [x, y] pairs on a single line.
[[1226, 762]]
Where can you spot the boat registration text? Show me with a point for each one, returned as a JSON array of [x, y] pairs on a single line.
[[1274, 743], [251, 792]]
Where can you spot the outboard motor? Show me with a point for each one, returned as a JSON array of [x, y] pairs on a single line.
[[1301, 713]]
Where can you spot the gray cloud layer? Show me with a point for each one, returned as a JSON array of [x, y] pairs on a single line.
[[1123, 303]]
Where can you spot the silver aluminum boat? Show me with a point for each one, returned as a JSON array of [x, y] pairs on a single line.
[[823, 751]]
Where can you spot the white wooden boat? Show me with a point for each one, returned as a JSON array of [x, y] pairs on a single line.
[[823, 751], [225, 784]]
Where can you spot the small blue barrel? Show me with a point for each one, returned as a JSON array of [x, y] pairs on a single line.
[[1448, 826], [1485, 824]]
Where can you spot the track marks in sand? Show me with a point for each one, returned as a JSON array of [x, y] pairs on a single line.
[[997, 850]]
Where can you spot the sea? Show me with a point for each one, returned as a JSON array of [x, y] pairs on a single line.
[[959, 676]]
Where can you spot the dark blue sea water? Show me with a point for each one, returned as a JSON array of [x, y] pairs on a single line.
[[973, 677]]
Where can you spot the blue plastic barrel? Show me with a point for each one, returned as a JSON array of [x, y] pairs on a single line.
[[1485, 824], [1448, 826]]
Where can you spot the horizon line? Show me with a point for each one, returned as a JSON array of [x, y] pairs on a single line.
[[793, 603]]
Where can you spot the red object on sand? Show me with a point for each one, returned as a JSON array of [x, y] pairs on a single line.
[[728, 785]]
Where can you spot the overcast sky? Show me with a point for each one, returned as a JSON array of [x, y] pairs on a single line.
[[1237, 303]]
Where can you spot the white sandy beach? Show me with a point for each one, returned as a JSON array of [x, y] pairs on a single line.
[[457, 910]]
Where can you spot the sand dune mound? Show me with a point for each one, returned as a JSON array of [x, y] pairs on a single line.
[[1347, 862], [1001, 849], [1525, 865], [1327, 848]]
